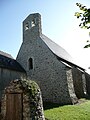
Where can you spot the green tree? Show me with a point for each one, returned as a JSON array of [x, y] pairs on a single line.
[[84, 16]]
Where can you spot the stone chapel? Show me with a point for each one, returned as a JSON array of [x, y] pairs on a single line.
[[48, 64]]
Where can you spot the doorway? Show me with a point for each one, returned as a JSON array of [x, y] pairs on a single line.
[[14, 106]]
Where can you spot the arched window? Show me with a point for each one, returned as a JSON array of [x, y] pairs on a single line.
[[30, 63]]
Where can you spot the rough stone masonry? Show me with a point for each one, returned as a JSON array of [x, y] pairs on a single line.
[[22, 100]]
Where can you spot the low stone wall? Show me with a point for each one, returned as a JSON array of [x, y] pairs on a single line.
[[32, 108]]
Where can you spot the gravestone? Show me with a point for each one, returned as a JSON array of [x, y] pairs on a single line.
[[22, 101]]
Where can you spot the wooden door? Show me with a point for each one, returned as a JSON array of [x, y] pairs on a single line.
[[14, 106]]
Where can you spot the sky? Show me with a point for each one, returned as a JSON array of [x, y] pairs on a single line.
[[58, 23]]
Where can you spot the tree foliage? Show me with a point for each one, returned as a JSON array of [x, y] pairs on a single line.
[[84, 16]]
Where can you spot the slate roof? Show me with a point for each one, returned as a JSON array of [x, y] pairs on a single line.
[[59, 51], [5, 54], [8, 62]]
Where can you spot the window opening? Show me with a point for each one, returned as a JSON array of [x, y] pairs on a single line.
[[30, 63], [33, 23], [26, 26]]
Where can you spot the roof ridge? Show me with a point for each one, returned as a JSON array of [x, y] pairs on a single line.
[[6, 54]]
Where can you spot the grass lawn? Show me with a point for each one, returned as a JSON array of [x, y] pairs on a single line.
[[69, 112]]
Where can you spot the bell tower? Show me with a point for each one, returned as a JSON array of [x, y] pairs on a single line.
[[32, 26]]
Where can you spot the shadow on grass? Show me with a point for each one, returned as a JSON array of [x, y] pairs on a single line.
[[87, 97], [49, 105]]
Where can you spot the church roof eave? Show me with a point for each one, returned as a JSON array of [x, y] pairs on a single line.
[[7, 62], [60, 53]]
